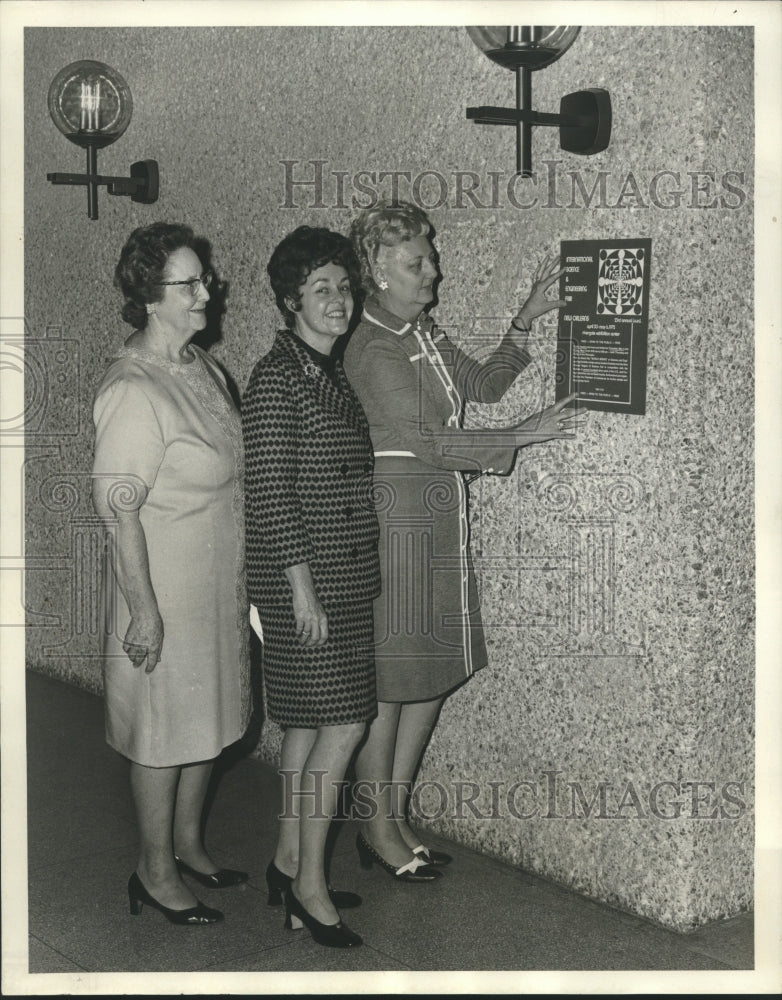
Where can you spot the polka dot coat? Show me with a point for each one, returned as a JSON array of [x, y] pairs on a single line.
[[308, 480], [308, 484]]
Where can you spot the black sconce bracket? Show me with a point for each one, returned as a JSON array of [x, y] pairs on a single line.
[[142, 185], [584, 120]]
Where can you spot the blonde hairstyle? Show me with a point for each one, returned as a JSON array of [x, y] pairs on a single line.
[[386, 224]]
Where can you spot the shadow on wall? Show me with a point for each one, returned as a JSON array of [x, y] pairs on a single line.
[[215, 310]]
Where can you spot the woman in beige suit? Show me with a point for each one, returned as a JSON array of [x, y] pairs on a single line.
[[412, 382]]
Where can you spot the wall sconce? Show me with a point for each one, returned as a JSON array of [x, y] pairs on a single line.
[[91, 104], [584, 117]]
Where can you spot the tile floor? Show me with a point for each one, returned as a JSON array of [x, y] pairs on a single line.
[[483, 915]]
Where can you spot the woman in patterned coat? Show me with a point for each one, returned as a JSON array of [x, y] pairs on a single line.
[[312, 561], [167, 479], [412, 382]]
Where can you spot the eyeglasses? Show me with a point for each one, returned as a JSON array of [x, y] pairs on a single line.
[[193, 284]]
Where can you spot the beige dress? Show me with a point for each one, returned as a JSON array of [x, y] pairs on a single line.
[[175, 429]]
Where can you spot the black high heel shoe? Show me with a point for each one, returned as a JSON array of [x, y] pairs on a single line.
[[337, 935], [278, 882], [200, 914], [432, 857], [224, 878], [416, 870]]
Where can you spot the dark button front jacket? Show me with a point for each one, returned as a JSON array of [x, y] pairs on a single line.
[[308, 480]]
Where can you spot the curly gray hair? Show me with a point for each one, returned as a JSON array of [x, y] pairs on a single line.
[[388, 224]]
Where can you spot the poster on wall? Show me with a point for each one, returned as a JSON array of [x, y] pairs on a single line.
[[603, 327]]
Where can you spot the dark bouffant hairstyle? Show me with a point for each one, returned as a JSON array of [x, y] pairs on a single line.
[[141, 266], [298, 255], [388, 224]]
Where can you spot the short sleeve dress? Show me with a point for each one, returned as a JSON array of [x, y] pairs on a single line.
[[174, 429]]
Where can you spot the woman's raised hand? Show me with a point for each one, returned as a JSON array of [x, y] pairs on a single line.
[[546, 273], [551, 423], [144, 640]]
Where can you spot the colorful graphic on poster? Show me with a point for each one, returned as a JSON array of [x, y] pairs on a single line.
[[603, 328]]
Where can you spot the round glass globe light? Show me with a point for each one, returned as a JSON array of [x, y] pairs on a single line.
[[90, 103], [513, 46]]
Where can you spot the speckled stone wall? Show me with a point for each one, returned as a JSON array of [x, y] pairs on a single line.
[[608, 745]]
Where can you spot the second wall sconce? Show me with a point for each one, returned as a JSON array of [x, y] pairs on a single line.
[[584, 117], [91, 104]]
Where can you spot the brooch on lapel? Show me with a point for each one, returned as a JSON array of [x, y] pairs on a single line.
[[311, 370]]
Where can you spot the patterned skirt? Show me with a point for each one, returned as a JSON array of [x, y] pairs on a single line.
[[329, 685]]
